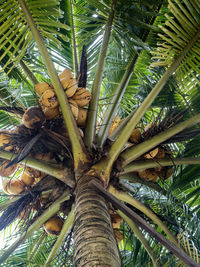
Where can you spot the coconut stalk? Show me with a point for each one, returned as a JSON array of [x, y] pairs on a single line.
[[28, 72], [92, 110], [146, 164], [36, 225], [65, 229], [78, 148], [142, 239], [111, 111]]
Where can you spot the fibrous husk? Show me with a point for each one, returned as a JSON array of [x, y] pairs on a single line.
[[33, 118], [82, 117], [4, 172], [118, 235], [115, 219], [66, 73], [26, 179], [54, 225], [4, 183], [74, 108], [51, 113], [82, 97], [136, 136], [15, 187], [5, 139], [40, 88], [70, 86], [21, 129], [48, 99], [148, 175], [152, 154]]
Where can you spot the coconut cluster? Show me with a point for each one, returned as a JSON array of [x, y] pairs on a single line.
[[78, 97]]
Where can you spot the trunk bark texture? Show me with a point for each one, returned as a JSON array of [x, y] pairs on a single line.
[[94, 241]]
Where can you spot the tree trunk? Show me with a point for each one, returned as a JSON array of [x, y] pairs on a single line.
[[94, 241]]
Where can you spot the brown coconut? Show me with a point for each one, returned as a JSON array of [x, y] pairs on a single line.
[[74, 108], [51, 113], [70, 86], [82, 117], [118, 235], [148, 175], [54, 225], [135, 136], [15, 187], [152, 154], [66, 73], [26, 179], [4, 172], [33, 172], [5, 139], [115, 220], [40, 88], [33, 118], [48, 99], [165, 172], [82, 97]]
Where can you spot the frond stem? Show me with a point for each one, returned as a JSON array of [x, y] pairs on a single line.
[[153, 163], [65, 229], [93, 106], [28, 72], [142, 239], [118, 94]]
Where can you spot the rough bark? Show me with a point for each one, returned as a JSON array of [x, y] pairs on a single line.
[[94, 241]]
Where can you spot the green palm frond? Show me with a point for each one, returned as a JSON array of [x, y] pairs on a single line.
[[181, 26], [16, 36]]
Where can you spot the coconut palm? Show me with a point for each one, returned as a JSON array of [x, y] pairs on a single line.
[[105, 180]]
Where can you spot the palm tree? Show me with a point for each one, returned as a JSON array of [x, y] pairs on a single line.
[[117, 165]]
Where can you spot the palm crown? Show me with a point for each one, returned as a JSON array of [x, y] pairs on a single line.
[[132, 135]]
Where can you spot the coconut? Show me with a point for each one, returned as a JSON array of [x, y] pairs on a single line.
[[33, 118], [82, 97], [116, 220], [26, 179], [48, 99], [4, 183], [51, 113], [148, 175], [70, 86], [136, 136], [21, 130], [15, 187], [152, 154], [82, 117], [118, 235], [74, 108], [4, 172], [66, 73], [54, 225], [40, 88]]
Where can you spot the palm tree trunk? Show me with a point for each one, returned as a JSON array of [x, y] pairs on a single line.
[[94, 241]]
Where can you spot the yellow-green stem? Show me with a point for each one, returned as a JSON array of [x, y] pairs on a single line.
[[142, 239], [138, 205]]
